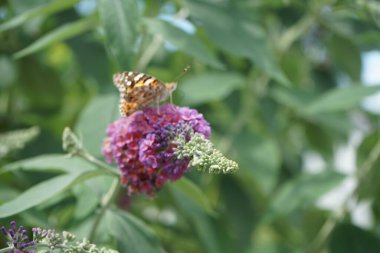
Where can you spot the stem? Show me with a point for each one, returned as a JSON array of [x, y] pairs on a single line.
[[329, 225], [106, 202], [88, 157], [6, 250], [294, 32], [156, 44], [149, 52]]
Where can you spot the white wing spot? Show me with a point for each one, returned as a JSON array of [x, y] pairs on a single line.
[[138, 77]]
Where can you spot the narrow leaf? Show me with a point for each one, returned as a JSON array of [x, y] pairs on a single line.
[[43, 192], [209, 87], [340, 99], [188, 43], [131, 233], [51, 162], [94, 119], [47, 9], [60, 34], [119, 20], [301, 191], [346, 55], [233, 34]]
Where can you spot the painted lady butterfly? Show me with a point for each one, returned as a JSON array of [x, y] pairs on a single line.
[[138, 90]]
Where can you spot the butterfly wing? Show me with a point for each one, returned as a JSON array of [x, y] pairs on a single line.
[[137, 91]]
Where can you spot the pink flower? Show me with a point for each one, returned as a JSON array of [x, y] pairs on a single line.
[[142, 145]]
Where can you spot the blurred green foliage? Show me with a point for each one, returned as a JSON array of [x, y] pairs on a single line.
[[277, 79]]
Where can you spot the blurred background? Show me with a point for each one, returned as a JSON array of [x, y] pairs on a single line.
[[288, 86]]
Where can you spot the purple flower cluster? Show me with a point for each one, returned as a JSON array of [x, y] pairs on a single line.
[[141, 145], [17, 239]]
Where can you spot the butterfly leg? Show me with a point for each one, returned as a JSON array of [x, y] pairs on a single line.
[[158, 106]]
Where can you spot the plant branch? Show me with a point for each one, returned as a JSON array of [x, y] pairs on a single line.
[[6, 249], [99, 164], [156, 43], [329, 225], [105, 204]]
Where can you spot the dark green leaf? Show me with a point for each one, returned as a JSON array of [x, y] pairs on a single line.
[[346, 55], [301, 191], [47, 9], [120, 20], [93, 122], [209, 87], [65, 32], [188, 43], [43, 191], [131, 233], [348, 238], [340, 99], [227, 29]]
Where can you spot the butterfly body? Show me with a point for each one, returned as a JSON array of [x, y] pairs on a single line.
[[139, 90]]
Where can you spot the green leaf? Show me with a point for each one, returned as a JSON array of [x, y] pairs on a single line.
[[93, 121], [348, 238], [199, 220], [65, 32], [340, 99], [260, 159], [301, 191], [188, 43], [87, 201], [120, 20], [43, 192], [52, 7], [239, 221], [346, 55], [51, 162], [8, 70], [132, 234], [211, 86], [293, 98], [233, 34], [193, 192]]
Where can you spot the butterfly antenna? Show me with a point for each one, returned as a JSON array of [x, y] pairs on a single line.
[[185, 70]]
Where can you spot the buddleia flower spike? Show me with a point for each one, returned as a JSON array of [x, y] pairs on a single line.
[[151, 147]]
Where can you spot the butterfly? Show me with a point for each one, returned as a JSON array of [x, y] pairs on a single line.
[[139, 90]]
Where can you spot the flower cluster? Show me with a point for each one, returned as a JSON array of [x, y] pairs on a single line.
[[65, 242], [142, 145], [156, 145], [47, 241], [203, 154], [17, 239]]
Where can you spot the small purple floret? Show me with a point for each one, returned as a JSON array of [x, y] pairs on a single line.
[[142, 145], [18, 238]]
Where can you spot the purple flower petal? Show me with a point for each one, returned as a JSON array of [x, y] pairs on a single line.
[[140, 145]]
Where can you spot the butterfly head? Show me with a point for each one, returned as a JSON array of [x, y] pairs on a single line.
[[170, 87]]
